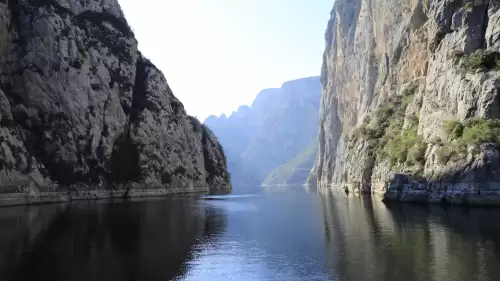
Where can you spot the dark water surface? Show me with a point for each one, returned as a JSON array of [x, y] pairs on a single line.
[[287, 236]]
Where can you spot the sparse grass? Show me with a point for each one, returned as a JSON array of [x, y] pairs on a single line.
[[481, 58]]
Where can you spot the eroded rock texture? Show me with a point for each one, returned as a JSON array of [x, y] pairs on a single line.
[[411, 102], [80, 106]]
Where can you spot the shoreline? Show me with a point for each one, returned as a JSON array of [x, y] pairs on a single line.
[[441, 193], [38, 198]]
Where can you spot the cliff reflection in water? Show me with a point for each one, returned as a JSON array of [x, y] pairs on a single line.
[[367, 240], [149, 240]]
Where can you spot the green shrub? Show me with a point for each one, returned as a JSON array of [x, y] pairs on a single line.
[[407, 147], [443, 154], [416, 154], [452, 152], [413, 121], [481, 58], [471, 132], [364, 132], [387, 109], [453, 129], [480, 130], [409, 93], [474, 130]]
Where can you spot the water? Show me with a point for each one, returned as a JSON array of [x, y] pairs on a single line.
[[288, 235]]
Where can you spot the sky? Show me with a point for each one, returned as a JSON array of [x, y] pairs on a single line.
[[218, 54]]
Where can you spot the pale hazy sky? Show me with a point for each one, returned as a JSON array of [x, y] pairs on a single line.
[[218, 54]]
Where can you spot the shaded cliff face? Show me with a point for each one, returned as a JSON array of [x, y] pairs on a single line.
[[279, 126], [411, 98], [80, 105]]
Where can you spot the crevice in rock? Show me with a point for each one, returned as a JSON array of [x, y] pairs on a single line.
[[124, 163], [444, 24], [139, 100], [125, 160], [485, 25], [477, 23], [14, 9], [213, 167], [209, 165], [418, 17]]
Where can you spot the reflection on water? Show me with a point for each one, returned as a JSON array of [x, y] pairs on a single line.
[[287, 235], [367, 240], [150, 240]]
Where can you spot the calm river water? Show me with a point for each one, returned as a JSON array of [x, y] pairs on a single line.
[[286, 235]]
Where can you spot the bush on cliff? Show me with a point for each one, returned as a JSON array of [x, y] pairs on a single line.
[[481, 58], [473, 131], [397, 145], [407, 147], [470, 132]]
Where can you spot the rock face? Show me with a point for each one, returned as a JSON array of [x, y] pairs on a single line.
[[410, 102], [263, 142], [81, 107]]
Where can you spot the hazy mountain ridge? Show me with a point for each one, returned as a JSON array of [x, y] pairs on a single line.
[[279, 126]]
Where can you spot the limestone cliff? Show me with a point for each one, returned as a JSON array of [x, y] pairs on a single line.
[[410, 102], [81, 107]]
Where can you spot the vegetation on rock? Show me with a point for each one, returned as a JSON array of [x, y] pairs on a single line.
[[392, 142], [469, 133], [481, 58], [473, 131], [469, 6]]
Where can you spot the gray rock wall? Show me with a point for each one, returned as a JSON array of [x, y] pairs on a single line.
[[81, 106], [447, 53]]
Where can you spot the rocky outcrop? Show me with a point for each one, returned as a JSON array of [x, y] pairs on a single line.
[[82, 108], [410, 105], [268, 142]]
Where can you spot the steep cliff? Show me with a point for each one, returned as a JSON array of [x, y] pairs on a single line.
[[410, 102], [280, 125], [82, 108]]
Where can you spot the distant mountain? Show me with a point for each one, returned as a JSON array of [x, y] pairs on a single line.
[[273, 141], [295, 171]]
